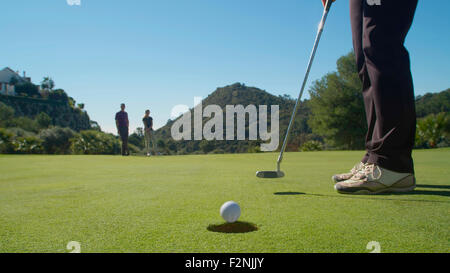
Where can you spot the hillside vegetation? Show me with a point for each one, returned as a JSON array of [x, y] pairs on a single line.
[[332, 119]]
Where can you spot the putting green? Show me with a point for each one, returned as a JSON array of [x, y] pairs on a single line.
[[166, 204]]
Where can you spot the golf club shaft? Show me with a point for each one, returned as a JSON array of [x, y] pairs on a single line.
[[311, 59]]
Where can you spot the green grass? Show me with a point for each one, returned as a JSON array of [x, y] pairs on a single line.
[[166, 204]]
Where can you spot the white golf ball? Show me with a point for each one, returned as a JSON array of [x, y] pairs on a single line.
[[230, 211]]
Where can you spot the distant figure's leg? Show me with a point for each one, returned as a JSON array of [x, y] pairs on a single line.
[[389, 93], [122, 150], [147, 142], [124, 137], [126, 143], [153, 142]]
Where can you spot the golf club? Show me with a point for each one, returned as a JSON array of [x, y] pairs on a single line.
[[278, 173]]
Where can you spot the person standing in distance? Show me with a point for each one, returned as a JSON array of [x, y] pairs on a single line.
[[148, 132], [379, 30], [122, 124]]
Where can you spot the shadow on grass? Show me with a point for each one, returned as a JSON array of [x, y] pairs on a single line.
[[445, 187], [370, 197], [420, 192], [289, 193], [237, 227]]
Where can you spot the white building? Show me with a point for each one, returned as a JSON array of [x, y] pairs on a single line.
[[8, 79]]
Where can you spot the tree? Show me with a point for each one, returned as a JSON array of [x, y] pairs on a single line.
[[6, 145], [161, 144], [433, 103], [92, 142], [139, 132], [24, 123], [432, 130], [59, 94], [95, 126], [47, 83], [43, 120], [337, 106], [27, 89], [206, 146], [6, 114], [57, 140]]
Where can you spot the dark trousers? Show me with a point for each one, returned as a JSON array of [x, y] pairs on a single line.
[[123, 132], [379, 33]]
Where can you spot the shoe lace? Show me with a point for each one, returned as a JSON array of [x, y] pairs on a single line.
[[369, 172], [357, 168]]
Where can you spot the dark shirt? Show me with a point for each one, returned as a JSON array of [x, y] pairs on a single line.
[[148, 122], [122, 118]]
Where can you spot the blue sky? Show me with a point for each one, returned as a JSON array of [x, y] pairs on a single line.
[[158, 54]]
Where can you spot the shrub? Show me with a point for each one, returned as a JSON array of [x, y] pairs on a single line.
[[28, 145], [6, 146], [136, 140], [206, 146], [134, 149], [254, 149], [92, 142], [58, 94], [27, 89], [25, 123], [19, 132], [43, 120], [56, 140], [433, 130], [312, 145], [6, 114]]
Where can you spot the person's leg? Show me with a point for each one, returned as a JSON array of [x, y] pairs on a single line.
[[125, 141], [152, 137], [122, 137], [356, 20], [389, 100], [147, 142], [123, 131]]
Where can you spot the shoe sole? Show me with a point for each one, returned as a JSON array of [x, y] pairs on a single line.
[[385, 190]]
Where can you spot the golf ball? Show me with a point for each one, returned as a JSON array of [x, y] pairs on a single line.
[[230, 211]]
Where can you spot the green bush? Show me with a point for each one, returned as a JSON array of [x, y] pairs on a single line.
[[28, 145], [137, 140], [134, 149], [43, 120], [19, 132], [312, 145], [59, 95], [57, 140], [6, 146], [433, 130], [27, 89], [25, 123], [254, 149], [6, 114], [93, 142], [206, 146]]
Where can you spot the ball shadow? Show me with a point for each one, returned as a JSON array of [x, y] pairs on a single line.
[[236, 227]]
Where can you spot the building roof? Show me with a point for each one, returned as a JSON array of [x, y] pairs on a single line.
[[7, 73]]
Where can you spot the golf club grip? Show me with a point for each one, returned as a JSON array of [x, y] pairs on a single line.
[[305, 80]]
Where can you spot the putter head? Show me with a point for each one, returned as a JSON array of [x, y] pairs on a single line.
[[269, 174]]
